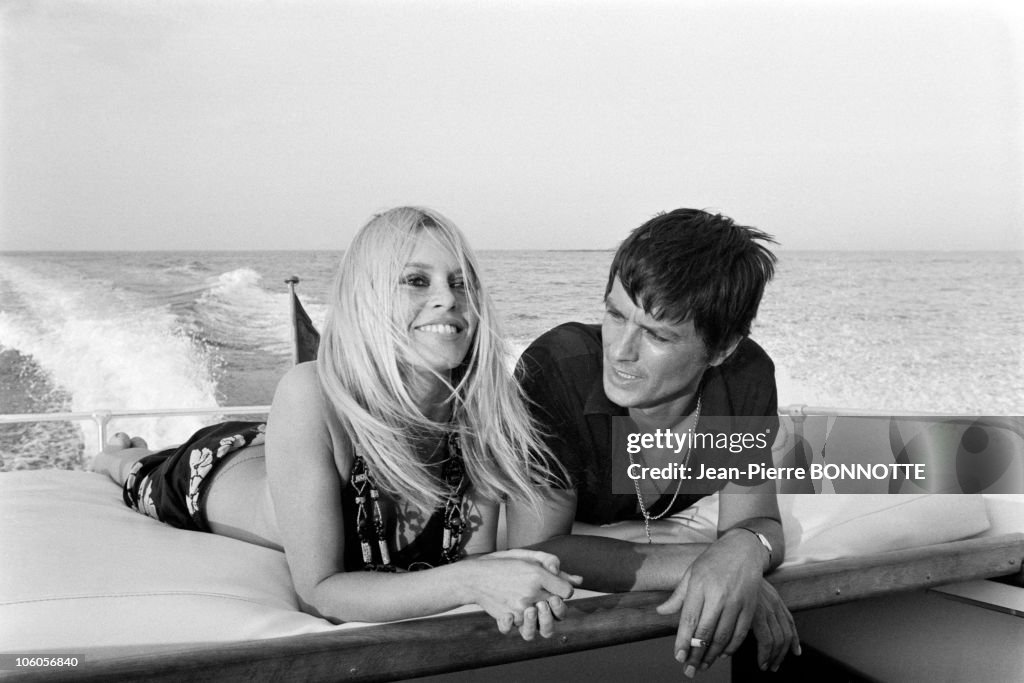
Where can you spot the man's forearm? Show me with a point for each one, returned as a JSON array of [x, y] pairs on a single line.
[[771, 529], [613, 566]]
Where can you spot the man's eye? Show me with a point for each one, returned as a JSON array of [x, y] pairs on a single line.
[[656, 337], [614, 315]]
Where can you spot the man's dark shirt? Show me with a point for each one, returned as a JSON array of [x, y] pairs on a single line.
[[561, 373]]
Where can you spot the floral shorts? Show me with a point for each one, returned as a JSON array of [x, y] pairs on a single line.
[[170, 485]]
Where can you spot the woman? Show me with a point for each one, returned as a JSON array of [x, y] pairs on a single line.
[[391, 452]]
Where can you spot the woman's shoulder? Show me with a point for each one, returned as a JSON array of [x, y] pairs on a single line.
[[300, 383], [300, 400]]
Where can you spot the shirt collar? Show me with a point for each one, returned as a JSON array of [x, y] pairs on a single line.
[[599, 404]]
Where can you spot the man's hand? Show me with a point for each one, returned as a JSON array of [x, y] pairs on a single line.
[[774, 629], [719, 598]]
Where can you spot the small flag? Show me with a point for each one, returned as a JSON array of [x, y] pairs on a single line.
[[306, 338]]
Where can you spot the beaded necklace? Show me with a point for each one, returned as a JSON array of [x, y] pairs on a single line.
[[370, 520]]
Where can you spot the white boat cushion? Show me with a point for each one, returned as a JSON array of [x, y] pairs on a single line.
[[826, 527], [79, 569], [1005, 512]]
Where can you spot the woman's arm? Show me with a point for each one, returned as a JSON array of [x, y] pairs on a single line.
[[306, 465]]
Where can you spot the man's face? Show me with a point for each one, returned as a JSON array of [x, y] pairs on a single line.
[[650, 366]]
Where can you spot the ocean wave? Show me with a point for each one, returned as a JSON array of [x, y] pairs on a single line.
[[107, 349], [239, 313]]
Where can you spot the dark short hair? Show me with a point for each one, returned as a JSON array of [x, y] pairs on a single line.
[[688, 264]]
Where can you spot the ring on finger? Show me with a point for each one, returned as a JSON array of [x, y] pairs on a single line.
[[698, 642]]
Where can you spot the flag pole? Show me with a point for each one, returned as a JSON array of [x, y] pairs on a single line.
[[291, 282]]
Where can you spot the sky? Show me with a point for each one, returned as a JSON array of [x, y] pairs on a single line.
[[231, 124]]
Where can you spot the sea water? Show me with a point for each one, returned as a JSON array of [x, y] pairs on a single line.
[[87, 331]]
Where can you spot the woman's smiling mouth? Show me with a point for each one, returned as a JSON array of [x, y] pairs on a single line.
[[439, 328]]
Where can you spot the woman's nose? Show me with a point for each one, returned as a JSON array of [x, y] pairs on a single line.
[[442, 296]]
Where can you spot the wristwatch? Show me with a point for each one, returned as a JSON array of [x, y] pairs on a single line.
[[762, 539]]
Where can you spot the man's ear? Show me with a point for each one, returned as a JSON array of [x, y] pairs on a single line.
[[720, 357]]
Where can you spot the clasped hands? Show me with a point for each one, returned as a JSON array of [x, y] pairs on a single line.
[[523, 589], [720, 598]]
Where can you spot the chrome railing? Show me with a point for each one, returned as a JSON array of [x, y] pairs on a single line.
[[102, 418]]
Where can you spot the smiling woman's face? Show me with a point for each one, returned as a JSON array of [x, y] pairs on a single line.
[[434, 305]]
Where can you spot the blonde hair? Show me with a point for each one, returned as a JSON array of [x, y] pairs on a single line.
[[362, 365]]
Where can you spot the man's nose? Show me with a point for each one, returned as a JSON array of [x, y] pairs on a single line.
[[623, 346]]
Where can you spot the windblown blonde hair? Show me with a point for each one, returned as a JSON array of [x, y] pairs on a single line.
[[363, 365]]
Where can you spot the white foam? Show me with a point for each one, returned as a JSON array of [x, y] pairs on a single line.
[[108, 351]]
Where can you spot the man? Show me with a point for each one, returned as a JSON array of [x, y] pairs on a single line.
[[672, 353]]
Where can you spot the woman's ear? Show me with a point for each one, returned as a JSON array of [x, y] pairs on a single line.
[[719, 358]]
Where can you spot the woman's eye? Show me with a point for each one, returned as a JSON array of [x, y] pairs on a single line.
[[415, 281], [457, 283]]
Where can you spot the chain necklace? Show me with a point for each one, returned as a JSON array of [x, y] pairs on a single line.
[[370, 520], [636, 483]]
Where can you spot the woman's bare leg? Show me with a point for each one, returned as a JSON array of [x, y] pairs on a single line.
[[118, 456]]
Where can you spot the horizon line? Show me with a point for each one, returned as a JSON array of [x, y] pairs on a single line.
[[1019, 250]]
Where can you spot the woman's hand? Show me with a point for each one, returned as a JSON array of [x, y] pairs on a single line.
[[719, 596], [520, 588], [542, 616]]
